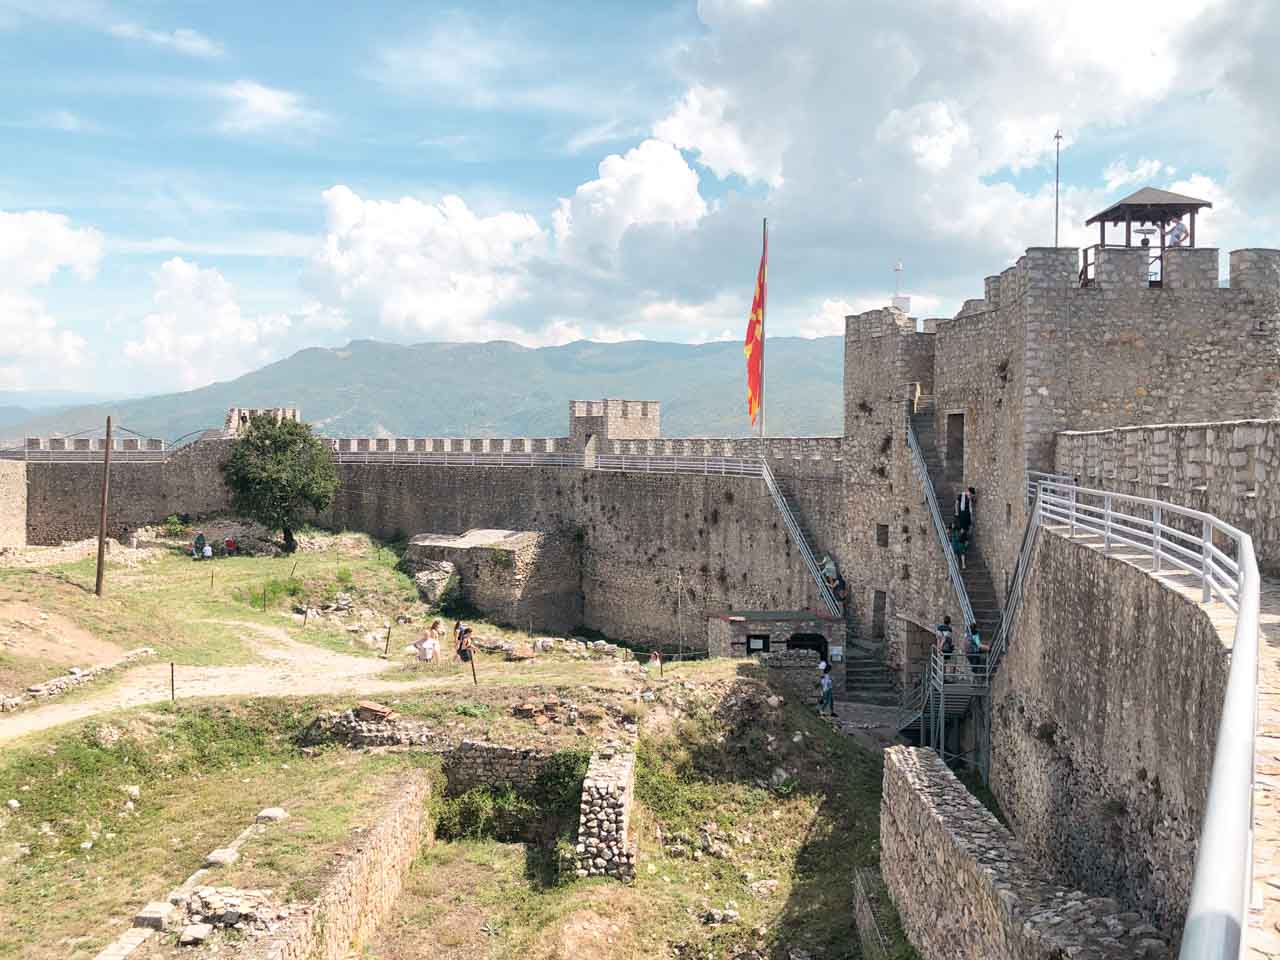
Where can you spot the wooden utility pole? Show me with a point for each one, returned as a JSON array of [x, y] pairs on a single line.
[[102, 513]]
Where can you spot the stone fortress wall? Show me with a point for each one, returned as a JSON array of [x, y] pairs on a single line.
[[1105, 713], [1038, 355], [1228, 469]]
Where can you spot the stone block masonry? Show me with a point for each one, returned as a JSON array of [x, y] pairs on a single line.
[[604, 846], [478, 764], [361, 889], [965, 889], [1105, 714], [13, 503], [1230, 469], [520, 578]]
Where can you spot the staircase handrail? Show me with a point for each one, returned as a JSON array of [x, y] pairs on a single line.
[[793, 528], [1036, 476], [1218, 911], [940, 528], [1013, 602]]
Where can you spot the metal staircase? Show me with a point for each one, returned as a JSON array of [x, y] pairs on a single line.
[[949, 683], [798, 537]]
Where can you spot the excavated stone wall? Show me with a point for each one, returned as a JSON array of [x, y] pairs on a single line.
[[604, 846], [965, 889], [1105, 716], [361, 889]]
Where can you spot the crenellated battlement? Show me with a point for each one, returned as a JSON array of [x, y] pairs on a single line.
[[614, 419], [238, 417]]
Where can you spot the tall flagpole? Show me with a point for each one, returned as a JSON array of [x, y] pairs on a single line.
[[764, 303]]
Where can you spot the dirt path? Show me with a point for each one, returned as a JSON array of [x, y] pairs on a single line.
[[290, 668]]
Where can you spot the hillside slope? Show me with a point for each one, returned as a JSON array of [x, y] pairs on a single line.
[[370, 388]]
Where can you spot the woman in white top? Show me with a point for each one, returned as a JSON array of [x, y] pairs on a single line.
[[428, 645]]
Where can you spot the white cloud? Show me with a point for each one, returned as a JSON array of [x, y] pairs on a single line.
[[36, 244], [930, 132], [256, 108], [703, 122], [649, 184], [433, 269], [197, 331], [34, 247], [192, 43], [1119, 174]]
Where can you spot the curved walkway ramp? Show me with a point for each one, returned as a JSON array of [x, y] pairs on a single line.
[[1212, 565]]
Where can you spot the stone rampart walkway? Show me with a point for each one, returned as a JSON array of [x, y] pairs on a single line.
[[1264, 915]]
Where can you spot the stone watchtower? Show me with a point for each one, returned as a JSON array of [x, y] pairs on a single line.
[[594, 421]]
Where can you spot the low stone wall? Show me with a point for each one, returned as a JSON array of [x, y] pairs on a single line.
[[965, 889], [361, 890], [69, 681], [795, 671], [474, 763], [604, 846]]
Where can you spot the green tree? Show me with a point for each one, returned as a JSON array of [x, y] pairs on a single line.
[[278, 472]]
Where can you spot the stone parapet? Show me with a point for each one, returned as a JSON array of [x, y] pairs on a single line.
[[965, 889], [1230, 469], [604, 846], [1190, 268], [1255, 268]]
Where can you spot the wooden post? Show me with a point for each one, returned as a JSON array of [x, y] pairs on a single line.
[[1128, 228], [473, 667], [173, 692], [1102, 233], [210, 578], [264, 598], [102, 512], [1193, 227], [386, 650]]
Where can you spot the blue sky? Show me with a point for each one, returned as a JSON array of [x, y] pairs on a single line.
[[193, 189]]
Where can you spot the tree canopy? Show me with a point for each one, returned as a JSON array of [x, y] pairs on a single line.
[[279, 473]]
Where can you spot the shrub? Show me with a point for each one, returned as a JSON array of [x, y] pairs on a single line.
[[343, 575], [175, 527]]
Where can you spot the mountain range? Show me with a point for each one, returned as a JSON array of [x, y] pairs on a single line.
[[371, 388]]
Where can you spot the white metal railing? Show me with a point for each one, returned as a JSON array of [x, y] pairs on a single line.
[[1000, 642], [1035, 476], [84, 456], [719, 466], [1187, 540], [460, 458], [1148, 525], [797, 536], [940, 528]]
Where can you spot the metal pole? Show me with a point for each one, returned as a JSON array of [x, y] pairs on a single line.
[[102, 512], [173, 695], [764, 301], [1057, 153]]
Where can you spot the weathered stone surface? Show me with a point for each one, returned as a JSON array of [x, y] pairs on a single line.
[[195, 933], [604, 845], [965, 889], [222, 857], [271, 815], [431, 579], [1105, 714], [155, 915]]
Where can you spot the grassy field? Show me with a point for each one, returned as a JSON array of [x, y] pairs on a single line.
[[717, 830], [196, 613]]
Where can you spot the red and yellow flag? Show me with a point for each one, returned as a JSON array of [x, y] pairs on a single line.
[[754, 346]]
